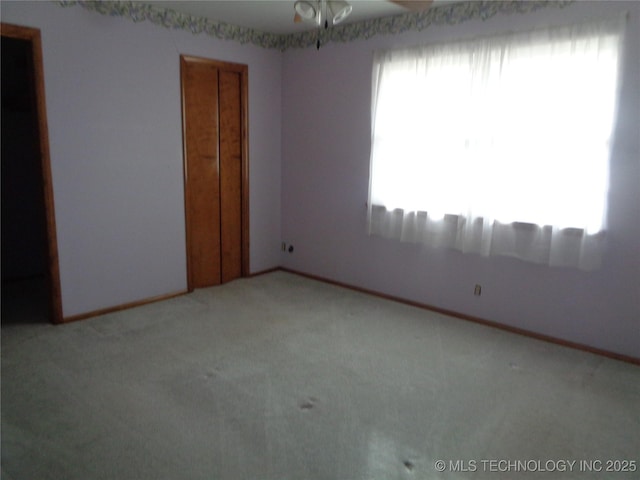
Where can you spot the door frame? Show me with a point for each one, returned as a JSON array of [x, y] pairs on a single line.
[[32, 35], [243, 71]]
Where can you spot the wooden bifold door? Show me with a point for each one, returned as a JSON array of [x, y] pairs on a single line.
[[214, 117]]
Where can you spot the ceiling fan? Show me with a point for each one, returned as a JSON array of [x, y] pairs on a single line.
[[338, 10]]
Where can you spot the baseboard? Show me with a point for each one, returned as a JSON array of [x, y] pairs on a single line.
[[138, 303], [470, 318], [263, 272], [125, 306], [451, 313]]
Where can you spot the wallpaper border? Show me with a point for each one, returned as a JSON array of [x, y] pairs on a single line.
[[449, 14]]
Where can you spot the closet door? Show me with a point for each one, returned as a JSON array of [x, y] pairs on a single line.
[[230, 175], [216, 190]]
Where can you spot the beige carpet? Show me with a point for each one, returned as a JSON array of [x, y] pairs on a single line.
[[282, 377]]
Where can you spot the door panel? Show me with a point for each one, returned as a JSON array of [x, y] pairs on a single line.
[[202, 170], [231, 175]]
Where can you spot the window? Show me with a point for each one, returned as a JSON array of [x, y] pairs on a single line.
[[499, 145]]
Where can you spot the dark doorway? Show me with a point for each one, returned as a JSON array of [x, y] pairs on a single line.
[[30, 283]]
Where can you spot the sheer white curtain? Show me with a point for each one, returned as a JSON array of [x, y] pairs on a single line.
[[498, 145]]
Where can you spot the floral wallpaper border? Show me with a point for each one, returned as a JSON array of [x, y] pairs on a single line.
[[450, 14]]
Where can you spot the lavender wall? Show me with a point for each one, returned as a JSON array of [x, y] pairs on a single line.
[[113, 102], [325, 141], [116, 150]]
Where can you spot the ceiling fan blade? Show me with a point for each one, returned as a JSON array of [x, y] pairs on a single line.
[[413, 5]]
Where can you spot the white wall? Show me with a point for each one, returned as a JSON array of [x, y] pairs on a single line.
[[326, 122], [113, 104]]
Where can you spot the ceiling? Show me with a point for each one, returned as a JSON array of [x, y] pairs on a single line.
[[275, 16]]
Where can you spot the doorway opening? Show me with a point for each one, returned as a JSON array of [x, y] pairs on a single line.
[[30, 275]]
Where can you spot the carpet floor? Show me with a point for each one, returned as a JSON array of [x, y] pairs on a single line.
[[282, 377]]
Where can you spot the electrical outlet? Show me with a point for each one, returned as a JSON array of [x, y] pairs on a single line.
[[477, 291]]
